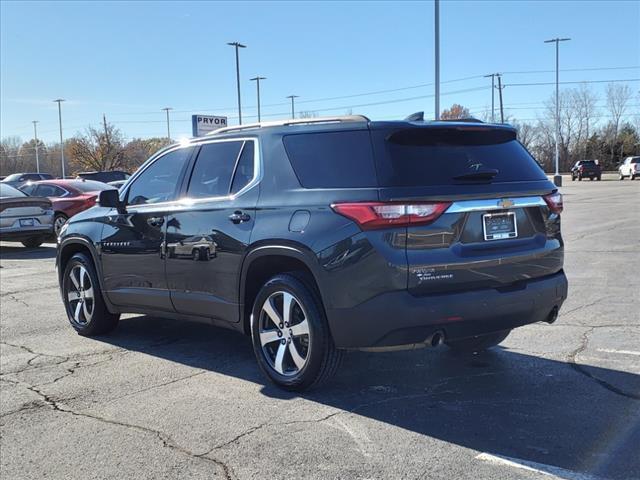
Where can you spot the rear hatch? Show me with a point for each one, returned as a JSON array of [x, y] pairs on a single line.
[[480, 211]]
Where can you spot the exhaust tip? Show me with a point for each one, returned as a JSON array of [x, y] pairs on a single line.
[[553, 315], [437, 339]]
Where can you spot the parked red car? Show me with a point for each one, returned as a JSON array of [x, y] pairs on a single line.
[[67, 196]]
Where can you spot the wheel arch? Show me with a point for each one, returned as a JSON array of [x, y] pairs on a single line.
[[262, 263], [68, 248]]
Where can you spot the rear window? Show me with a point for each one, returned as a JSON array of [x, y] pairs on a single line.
[[635, 160], [434, 156], [588, 163], [9, 191], [332, 160]]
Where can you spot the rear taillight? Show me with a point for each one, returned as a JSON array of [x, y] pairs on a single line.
[[374, 215], [554, 201]]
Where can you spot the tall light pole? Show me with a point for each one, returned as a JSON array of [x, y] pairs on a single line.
[[557, 178], [59, 102], [166, 109], [238, 45], [437, 57], [35, 136], [500, 87], [293, 108], [493, 91], [257, 80]]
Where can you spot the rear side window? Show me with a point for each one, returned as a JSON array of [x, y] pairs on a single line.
[[332, 160], [213, 170], [434, 156], [45, 190]]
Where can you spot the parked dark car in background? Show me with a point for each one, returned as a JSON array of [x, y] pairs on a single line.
[[24, 219], [117, 183], [68, 197], [586, 169], [18, 179], [330, 234], [105, 177]]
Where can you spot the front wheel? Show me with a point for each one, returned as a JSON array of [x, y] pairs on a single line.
[[620, 176], [579, 178], [290, 333], [633, 177], [478, 343], [82, 298]]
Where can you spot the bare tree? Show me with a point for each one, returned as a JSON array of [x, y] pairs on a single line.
[[583, 101], [98, 149], [307, 114], [618, 97]]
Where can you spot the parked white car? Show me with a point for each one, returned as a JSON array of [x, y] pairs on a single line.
[[24, 219], [630, 168]]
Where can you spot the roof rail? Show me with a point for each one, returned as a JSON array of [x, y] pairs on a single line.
[[299, 121]]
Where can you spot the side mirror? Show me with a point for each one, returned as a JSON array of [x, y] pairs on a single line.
[[110, 199]]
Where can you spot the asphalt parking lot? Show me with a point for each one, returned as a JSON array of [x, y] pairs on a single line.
[[164, 399]]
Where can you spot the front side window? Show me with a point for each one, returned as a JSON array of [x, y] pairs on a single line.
[[158, 182], [214, 169]]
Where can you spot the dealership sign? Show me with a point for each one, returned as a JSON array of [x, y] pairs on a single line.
[[203, 124]]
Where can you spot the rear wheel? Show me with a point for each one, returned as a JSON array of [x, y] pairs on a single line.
[[290, 334], [478, 343], [599, 178], [58, 222], [620, 176], [82, 298], [33, 242], [579, 178], [591, 179], [633, 177]]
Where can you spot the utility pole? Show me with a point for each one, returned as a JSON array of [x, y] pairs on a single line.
[[257, 80], [500, 91], [437, 57], [238, 45], [59, 102], [293, 110], [557, 178], [493, 91], [35, 135], [166, 109]]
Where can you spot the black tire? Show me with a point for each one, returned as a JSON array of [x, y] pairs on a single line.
[[598, 178], [101, 320], [33, 242], [479, 343], [633, 177], [573, 179], [579, 178], [59, 220], [621, 176], [591, 179], [196, 254], [322, 358]]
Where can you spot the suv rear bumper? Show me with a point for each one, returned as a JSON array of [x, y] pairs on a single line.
[[399, 318]]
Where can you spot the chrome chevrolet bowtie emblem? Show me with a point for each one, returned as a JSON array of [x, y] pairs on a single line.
[[505, 203]]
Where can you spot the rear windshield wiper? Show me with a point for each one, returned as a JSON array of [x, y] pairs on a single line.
[[479, 175]]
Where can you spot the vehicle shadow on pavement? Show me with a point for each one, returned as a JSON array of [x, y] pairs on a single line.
[[18, 252], [500, 402]]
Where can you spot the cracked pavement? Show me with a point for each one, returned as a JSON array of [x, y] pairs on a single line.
[[163, 399]]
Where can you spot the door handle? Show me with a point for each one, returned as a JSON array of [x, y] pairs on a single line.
[[239, 217], [155, 221]]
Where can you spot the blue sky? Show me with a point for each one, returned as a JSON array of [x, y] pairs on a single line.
[[130, 59]]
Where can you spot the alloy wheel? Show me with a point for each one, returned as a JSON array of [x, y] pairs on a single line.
[[284, 333], [58, 223], [80, 295]]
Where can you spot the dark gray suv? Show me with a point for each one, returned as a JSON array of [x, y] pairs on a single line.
[[320, 235]]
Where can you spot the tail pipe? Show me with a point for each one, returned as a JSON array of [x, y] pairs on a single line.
[[553, 315]]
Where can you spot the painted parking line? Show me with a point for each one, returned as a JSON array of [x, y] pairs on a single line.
[[622, 352], [540, 468]]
